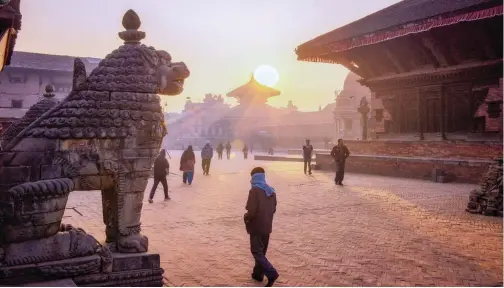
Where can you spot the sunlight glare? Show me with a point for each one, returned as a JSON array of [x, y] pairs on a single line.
[[266, 75]]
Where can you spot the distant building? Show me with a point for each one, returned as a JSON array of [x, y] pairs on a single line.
[[22, 83], [213, 120], [348, 122]]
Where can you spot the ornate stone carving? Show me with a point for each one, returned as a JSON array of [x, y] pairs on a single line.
[[488, 199], [102, 136]]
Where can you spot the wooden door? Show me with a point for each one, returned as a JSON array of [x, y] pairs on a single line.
[[432, 115]]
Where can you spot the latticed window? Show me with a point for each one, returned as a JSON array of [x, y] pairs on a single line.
[[16, 103]]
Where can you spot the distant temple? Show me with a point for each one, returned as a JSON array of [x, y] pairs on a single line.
[[248, 121]]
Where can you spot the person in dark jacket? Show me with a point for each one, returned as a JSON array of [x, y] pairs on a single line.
[[206, 158], [245, 151], [307, 156], [187, 162], [340, 153], [261, 206], [161, 170], [228, 150], [220, 149]]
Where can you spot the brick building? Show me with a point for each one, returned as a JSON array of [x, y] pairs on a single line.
[[434, 68], [22, 83]]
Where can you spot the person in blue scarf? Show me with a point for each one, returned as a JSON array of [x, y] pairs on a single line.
[[261, 206]]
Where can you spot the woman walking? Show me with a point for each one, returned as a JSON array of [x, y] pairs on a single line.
[[187, 162]]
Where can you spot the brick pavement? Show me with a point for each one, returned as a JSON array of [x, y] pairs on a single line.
[[374, 231]]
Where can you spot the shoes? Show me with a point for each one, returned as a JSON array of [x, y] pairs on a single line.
[[167, 198], [257, 278], [271, 281], [310, 173], [150, 201]]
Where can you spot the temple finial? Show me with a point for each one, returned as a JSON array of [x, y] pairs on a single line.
[[131, 22], [49, 89]]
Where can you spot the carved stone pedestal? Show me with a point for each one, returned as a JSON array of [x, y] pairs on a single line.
[[140, 269]]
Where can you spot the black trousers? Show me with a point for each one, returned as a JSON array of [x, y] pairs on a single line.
[[340, 172], [245, 155], [205, 163], [307, 164], [219, 155], [258, 247], [156, 183]]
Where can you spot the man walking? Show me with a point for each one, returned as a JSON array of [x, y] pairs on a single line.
[[307, 156], [228, 150], [261, 206], [340, 153], [206, 157], [161, 169]]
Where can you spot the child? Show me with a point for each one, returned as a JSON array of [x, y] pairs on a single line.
[[187, 162]]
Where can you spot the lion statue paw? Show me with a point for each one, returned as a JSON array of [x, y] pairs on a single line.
[[136, 243]]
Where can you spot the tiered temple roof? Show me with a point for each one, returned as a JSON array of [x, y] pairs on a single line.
[[253, 92]]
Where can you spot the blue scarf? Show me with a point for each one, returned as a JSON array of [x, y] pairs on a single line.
[[259, 181]]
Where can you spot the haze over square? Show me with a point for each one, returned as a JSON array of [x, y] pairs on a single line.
[[222, 41]]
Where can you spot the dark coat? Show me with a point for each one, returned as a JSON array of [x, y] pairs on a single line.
[[307, 151], [260, 211], [187, 161], [340, 153], [161, 166]]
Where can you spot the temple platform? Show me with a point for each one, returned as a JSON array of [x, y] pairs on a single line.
[[281, 158]]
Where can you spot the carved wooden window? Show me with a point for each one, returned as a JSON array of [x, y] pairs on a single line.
[[16, 103], [17, 79]]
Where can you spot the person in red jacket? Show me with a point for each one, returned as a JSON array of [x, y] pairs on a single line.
[[261, 206]]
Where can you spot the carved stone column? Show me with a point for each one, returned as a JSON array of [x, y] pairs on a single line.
[[364, 111], [443, 112]]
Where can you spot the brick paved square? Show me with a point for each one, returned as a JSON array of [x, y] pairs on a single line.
[[374, 231]]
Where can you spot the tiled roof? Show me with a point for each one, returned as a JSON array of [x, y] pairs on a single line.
[[40, 61], [401, 13], [253, 88]]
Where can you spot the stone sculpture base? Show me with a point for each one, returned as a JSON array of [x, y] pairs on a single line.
[[140, 269]]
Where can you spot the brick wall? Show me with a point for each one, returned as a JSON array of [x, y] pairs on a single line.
[[432, 149], [465, 171]]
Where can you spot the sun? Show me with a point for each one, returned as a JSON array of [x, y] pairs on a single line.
[[266, 75]]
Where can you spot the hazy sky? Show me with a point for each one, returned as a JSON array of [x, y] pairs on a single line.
[[221, 41]]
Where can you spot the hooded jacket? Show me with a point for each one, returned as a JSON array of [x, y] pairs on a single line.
[[161, 165], [207, 152]]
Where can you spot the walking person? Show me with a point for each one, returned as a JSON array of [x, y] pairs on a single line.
[[220, 149], [245, 151], [307, 156], [228, 150], [187, 162], [206, 157], [161, 170], [261, 206], [340, 153]]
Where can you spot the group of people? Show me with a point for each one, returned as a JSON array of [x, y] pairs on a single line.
[[220, 150], [339, 153], [261, 203]]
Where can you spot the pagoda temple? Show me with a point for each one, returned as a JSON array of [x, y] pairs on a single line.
[[253, 93], [434, 68], [431, 65]]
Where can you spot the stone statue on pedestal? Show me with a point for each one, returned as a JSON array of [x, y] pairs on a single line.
[[103, 136]]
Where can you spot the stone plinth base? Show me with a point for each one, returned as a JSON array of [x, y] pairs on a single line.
[[141, 269], [453, 170]]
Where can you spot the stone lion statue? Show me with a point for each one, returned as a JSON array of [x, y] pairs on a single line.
[[103, 136]]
